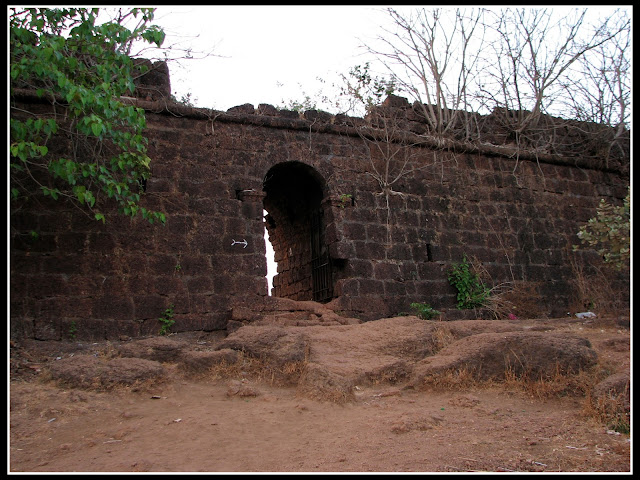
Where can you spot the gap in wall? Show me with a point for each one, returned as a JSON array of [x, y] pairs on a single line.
[[272, 266]]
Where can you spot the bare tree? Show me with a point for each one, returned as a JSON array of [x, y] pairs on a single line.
[[517, 63], [388, 147], [387, 151], [598, 88], [533, 52], [432, 55]]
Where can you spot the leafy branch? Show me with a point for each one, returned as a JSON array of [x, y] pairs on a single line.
[[83, 68]]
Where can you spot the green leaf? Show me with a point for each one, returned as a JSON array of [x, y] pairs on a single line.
[[62, 81], [47, 53], [79, 192], [97, 128]]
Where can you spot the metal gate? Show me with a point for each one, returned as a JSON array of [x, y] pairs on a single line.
[[320, 264]]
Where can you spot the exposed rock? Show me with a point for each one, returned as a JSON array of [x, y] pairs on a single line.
[[246, 108], [160, 349], [305, 319], [319, 382], [492, 355], [334, 359], [624, 322], [274, 344], [465, 328], [407, 423], [240, 388], [468, 401], [317, 115], [286, 312], [340, 357], [619, 343], [396, 101], [87, 371], [266, 109], [155, 83]]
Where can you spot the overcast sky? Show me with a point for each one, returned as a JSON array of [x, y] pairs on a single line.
[[264, 54], [269, 54]]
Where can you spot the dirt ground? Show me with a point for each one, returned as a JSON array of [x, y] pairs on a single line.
[[249, 423]]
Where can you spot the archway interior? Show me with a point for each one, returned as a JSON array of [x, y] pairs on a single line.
[[294, 223]]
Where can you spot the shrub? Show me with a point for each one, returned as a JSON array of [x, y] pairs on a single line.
[[472, 293], [609, 232]]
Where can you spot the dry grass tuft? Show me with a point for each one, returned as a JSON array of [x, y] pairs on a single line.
[[100, 384], [322, 384], [258, 369], [519, 298], [557, 385], [452, 380], [441, 337], [595, 291], [337, 396], [515, 298], [611, 410], [108, 351]]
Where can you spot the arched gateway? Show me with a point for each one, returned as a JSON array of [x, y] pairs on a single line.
[[295, 223]]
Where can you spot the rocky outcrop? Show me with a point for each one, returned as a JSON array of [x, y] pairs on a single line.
[[329, 362], [408, 349], [496, 355], [87, 371]]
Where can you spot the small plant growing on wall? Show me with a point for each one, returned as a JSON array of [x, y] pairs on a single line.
[[424, 310], [73, 330], [472, 293], [345, 199], [166, 320]]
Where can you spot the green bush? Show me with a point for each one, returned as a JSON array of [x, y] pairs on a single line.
[[472, 293], [609, 233]]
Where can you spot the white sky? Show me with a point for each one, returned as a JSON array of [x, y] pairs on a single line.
[[271, 54], [265, 54]]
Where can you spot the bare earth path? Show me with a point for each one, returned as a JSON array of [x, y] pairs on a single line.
[[207, 424]]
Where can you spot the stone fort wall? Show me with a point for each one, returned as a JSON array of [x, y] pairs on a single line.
[[213, 173]]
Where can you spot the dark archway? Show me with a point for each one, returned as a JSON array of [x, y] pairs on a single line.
[[296, 227]]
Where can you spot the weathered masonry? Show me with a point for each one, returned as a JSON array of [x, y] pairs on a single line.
[[341, 230]]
